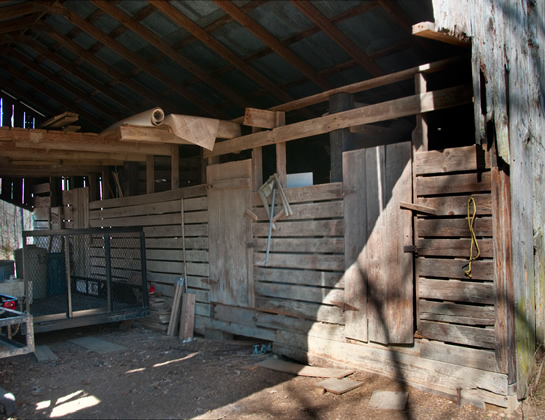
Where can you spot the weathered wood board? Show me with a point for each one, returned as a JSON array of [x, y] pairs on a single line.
[[378, 280], [229, 232]]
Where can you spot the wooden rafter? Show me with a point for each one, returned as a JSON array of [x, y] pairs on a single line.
[[10, 169], [75, 71], [24, 96], [17, 10], [41, 87], [109, 114], [175, 15], [402, 19], [135, 59], [169, 51], [17, 25], [338, 36], [270, 40]]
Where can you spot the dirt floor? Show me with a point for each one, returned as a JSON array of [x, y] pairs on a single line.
[[159, 377]]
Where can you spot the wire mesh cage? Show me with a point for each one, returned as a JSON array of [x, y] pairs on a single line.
[[89, 272]]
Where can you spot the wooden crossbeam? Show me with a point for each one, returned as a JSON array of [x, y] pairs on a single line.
[[397, 108]]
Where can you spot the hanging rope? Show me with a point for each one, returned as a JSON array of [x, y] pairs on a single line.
[[471, 223]]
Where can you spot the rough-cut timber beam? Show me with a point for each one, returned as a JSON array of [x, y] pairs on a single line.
[[338, 36], [370, 84], [427, 30], [76, 72], [202, 35], [108, 113], [397, 108], [169, 51], [12, 151], [58, 140], [135, 59], [40, 87], [277, 46]]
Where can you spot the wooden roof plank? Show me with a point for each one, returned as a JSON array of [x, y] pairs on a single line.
[[428, 30]]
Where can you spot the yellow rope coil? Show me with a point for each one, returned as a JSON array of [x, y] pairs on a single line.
[[471, 223]]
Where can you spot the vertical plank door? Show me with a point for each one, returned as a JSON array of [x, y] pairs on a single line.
[[379, 278], [229, 232]]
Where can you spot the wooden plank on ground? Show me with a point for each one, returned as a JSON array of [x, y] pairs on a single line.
[[302, 370], [338, 386]]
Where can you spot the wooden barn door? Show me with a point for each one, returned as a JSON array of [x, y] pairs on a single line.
[[379, 274], [229, 232]]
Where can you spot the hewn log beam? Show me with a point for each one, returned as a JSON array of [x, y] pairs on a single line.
[[384, 111]]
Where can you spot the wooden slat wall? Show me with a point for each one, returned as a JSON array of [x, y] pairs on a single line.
[[306, 259], [160, 215], [454, 308]]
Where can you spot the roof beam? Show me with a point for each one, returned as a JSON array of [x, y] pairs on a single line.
[[17, 10], [59, 140], [10, 169], [135, 59], [108, 113], [126, 20], [389, 110], [151, 97], [75, 71], [176, 16], [339, 37], [41, 87], [13, 151], [277, 46]]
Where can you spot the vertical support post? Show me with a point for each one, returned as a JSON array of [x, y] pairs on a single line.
[[143, 265], [94, 193], [175, 167], [28, 286], [68, 276], [130, 178], [340, 140], [108, 260], [257, 168], [150, 174]]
